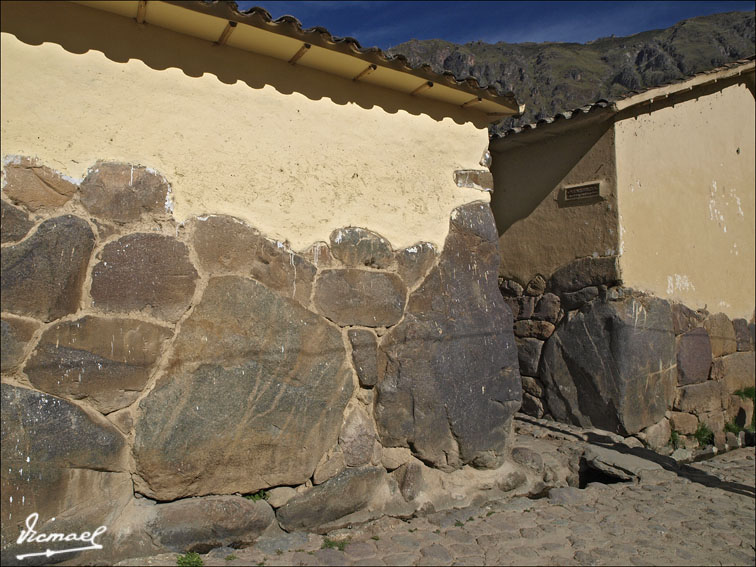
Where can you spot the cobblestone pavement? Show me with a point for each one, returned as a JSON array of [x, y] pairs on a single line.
[[702, 514]]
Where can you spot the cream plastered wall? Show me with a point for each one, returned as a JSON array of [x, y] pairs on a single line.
[[685, 176], [538, 233], [292, 166]]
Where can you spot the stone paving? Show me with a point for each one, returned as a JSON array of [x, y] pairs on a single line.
[[699, 514]]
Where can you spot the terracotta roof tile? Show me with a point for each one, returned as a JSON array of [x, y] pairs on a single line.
[[603, 103]]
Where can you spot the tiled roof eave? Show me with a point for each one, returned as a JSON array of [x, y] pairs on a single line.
[[633, 98], [291, 27]]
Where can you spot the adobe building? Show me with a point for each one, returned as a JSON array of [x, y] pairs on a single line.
[[240, 256], [626, 231]]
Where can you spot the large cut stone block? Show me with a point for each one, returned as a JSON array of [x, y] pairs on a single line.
[[254, 380], [743, 335], [612, 365], [343, 494], [529, 355], [144, 272], [682, 422], [42, 276], [122, 192], [693, 357], [360, 297], [35, 186], [60, 462], [226, 245], [736, 371], [357, 437], [685, 319], [414, 262], [201, 524], [700, 398], [364, 355], [15, 336], [448, 373], [14, 223], [357, 247], [722, 334], [585, 272], [547, 308], [105, 361]]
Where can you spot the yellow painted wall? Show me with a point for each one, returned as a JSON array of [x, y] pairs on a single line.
[[538, 233], [293, 151], [685, 176]]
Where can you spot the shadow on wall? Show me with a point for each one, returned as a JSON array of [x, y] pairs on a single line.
[[524, 178], [78, 29]]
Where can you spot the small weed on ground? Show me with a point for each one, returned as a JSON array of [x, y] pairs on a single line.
[[674, 440], [331, 544], [704, 435], [259, 495], [459, 524], [230, 557], [375, 537], [732, 427], [189, 559], [747, 393]]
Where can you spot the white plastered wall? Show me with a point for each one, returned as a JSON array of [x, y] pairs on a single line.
[[685, 179], [292, 166]]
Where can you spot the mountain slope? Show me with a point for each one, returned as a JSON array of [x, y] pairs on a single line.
[[551, 77]]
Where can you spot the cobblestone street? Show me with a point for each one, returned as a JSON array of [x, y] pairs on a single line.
[[699, 514]]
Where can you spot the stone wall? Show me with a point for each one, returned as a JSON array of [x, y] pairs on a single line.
[[597, 354], [146, 363]]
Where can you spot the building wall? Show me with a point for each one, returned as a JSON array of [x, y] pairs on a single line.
[[295, 152], [685, 177], [538, 231], [161, 337]]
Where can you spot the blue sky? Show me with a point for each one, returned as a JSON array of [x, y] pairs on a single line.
[[388, 23]]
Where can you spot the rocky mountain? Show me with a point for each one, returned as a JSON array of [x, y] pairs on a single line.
[[552, 77]]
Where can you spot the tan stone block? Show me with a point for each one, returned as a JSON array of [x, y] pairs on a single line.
[[123, 192], [394, 457], [356, 437], [14, 223], [105, 361], [536, 329], [144, 272], [480, 179], [714, 420], [735, 371], [42, 275], [699, 398], [226, 245], [15, 337], [722, 334], [36, 187], [657, 435], [277, 497], [360, 297], [331, 464], [684, 423]]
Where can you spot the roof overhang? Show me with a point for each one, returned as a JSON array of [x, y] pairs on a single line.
[[645, 101], [285, 40], [699, 80]]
